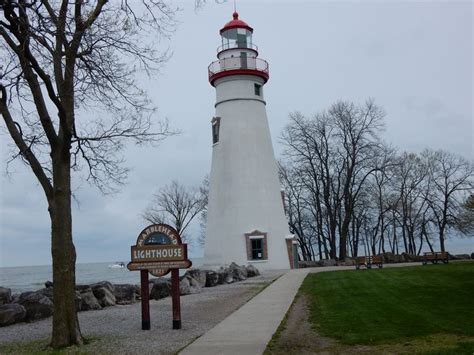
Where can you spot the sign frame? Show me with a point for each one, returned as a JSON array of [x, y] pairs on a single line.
[[145, 259]]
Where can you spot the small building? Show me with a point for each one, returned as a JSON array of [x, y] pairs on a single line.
[[246, 222]]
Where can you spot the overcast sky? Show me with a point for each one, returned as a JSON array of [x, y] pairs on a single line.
[[414, 58]]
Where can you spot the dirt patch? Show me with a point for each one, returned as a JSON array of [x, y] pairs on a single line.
[[296, 333]]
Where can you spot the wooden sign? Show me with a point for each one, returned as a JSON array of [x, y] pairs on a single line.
[[159, 237], [158, 251]]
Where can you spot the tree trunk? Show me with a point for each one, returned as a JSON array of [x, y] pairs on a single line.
[[427, 240], [441, 241], [442, 229], [325, 246], [343, 241], [319, 247], [66, 329]]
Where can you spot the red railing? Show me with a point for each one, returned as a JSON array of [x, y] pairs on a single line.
[[238, 65]]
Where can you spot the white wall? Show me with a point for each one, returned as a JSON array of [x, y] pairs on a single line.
[[244, 187]]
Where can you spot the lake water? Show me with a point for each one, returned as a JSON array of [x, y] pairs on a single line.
[[30, 278]]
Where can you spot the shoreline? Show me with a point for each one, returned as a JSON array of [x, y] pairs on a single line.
[[117, 329]]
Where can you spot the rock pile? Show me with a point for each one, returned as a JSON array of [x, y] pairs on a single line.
[[194, 280], [30, 306]]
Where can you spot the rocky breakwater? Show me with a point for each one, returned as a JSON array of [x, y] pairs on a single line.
[[194, 280], [32, 305]]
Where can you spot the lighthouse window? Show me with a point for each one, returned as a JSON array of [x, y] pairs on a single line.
[[216, 122], [257, 249], [241, 38], [256, 243], [258, 89]]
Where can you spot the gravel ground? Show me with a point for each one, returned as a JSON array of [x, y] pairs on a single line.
[[117, 329]]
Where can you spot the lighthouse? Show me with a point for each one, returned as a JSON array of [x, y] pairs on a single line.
[[246, 222]]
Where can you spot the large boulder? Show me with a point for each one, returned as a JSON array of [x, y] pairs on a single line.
[[389, 258], [221, 273], [252, 271], [78, 301], [11, 313], [411, 258], [15, 298], [198, 275], [227, 276], [48, 292], [83, 288], [104, 292], [307, 263], [5, 295], [195, 286], [48, 284], [327, 262], [138, 292], [346, 262], [212, 278], [184, 286], [160, 288], [105, 284], [37, 305], [125, 293], [239, 273], [89, 301]]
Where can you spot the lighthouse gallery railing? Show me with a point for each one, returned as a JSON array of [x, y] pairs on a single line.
[[238, 63]]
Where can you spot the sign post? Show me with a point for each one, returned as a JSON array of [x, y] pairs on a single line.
[[175, 299], [158, 251], [145, 296]]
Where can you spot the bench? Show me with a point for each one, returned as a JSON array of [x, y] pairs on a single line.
[[368, 261], [434, 257]]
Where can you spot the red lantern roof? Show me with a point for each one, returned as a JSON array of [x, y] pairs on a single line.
[[235, 23]]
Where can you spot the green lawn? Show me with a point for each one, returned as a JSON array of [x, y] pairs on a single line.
[[393, 304]]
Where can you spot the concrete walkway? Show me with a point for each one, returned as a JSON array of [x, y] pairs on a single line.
[[248, 330]]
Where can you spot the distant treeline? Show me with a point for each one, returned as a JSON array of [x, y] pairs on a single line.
[[347, 192]]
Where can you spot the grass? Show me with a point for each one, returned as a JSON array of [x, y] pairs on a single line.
[[394, 304]]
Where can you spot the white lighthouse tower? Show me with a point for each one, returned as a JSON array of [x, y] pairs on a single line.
[[246, 221]]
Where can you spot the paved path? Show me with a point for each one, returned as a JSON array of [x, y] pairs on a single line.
[[248, 330]]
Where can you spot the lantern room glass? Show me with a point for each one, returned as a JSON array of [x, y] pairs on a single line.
[[236, 38]]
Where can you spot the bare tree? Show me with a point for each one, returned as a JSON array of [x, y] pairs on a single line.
[[411, 185], [336, 151], [309, 148], [298, 211], [69, 99], [358, 147], [452, 179], [345, 188], [177, 206]]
